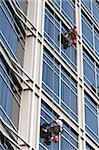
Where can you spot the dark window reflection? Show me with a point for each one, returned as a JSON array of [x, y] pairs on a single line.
[[10, 91], [12, 33]]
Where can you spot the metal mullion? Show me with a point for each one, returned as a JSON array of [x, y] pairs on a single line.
[[59, 146], [98, 120], [60, 86], [95, 75], [57, 5]]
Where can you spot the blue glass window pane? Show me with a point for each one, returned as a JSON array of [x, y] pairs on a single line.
[[73, 55], [73, 102], [41, 148], [7, 99], [68, 51], [66, 79], [87, 32], [47, 75], [66, 134], [68, 8], [96, 38], [44, 72], [13, 41], [87, 3], [9, 103], [57, 33], [5, 26], [49, 56], [50, 77], [49, 27], [90, 102], [56, 84], [15, 112], [95, 6], [97, 45], [1, 82], [74, 134], [91, 105], [57, 1], [64, 144], [4, 94], [98, 78], [91, 121], [89, 73], [65, 93], [49, 12]]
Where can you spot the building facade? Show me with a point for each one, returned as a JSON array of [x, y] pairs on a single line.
[[40, 80]]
